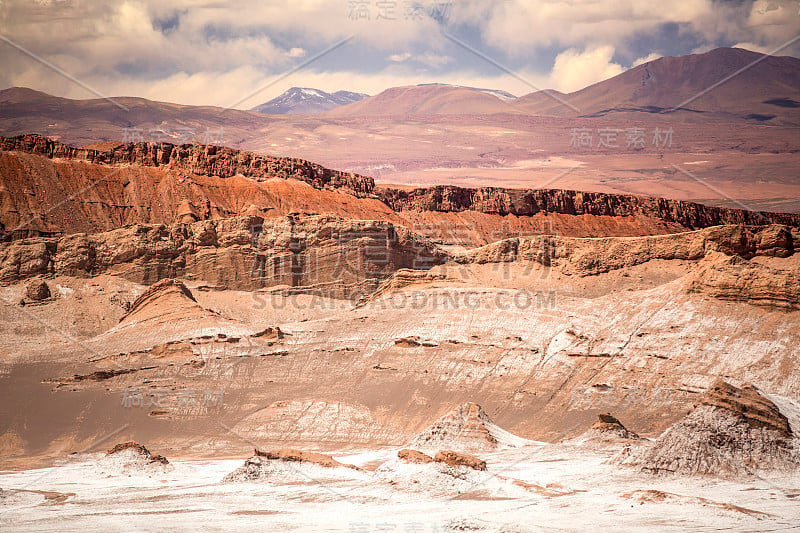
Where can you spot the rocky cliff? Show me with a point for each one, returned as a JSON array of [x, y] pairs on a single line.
[[727, 259], [196, 159], [734, 278], [446, 198], [325, 255], [49, 188], [586, 257], [344, 258]]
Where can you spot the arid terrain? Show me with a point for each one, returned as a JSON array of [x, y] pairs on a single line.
[[400, 315], [656, 129]]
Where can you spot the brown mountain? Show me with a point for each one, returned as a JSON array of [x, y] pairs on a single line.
[[725, 83], [83, 122], [435, 99]]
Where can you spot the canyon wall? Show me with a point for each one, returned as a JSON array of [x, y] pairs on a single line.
[[448, 198], [196, 159]]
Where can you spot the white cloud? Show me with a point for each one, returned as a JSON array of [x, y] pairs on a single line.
[[517, 25], [753, 47], [434, 60], [767, 24], [399, 58], [650, 57], [575, 70]]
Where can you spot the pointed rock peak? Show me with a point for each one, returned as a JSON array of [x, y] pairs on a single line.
[[469, 416], [748, 403], [467, 427]]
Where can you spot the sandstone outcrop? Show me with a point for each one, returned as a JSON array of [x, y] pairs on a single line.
[[403, 278], [324, 255], [135, 451], [737, 279], [586, 257], [301, 456], [288, 465], [166, 324], [50, 197], [164, 290], [451, 458], [608, 426], [37, 290], [414, 457], [748, 403], [359, 260], [130, 445]]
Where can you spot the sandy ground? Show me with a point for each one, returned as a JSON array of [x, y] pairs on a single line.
[[570, 487]]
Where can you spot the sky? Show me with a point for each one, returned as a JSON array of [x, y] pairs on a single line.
[[241, 54]]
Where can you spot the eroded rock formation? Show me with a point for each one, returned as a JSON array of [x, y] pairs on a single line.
[[585, 257], [287, 465], [467, 427], [414, 456], [452, 458], [450, 198], [196, 159], [608, 426], [733, 431], [736, 279], [327, 255], [37, 290]]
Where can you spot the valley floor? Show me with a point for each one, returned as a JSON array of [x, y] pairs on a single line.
[[567, 487]]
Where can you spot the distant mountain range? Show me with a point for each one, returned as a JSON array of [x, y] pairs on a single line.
[[307, 101], [724, 85], [310, 101]]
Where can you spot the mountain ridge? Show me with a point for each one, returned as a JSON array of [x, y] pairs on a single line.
[[306, 100], [725, 81]]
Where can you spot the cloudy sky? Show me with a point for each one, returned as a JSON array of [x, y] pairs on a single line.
[[216, 52]]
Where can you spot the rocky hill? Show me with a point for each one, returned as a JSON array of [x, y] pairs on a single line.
[[734, 431], [433, 99]]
